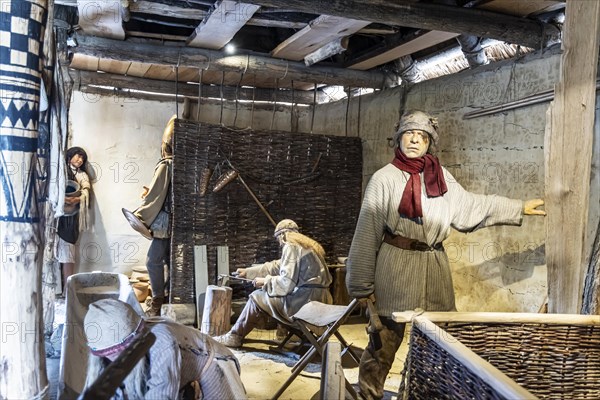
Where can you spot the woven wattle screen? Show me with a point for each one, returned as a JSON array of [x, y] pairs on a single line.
[[315, 180]]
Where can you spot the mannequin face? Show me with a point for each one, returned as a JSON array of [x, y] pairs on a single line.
[[77, 161], [414, 143]]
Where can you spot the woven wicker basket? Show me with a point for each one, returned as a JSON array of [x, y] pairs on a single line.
[[550, 356]]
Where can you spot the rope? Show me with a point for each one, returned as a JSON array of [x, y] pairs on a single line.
[[292, 110], [287, 66], [314, 106], [348, 107], [199, 95], [177, 85], [236, 96], [222, 100], [253, 97], [358, 118], [274, 102]]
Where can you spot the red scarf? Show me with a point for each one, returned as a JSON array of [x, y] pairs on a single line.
[[435, 185]]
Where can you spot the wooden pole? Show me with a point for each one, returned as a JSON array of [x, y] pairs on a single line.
[[568, 155], [188, 57], [22, 356], [216, 318]]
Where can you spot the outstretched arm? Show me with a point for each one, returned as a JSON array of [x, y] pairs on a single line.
[[530, 207]]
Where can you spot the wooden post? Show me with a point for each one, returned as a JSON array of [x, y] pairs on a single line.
[[568, 147], [216, 318], [22, 356]]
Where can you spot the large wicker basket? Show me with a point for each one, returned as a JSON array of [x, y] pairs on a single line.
[[548, 356]]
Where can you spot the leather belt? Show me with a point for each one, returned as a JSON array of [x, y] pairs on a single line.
[[409, 244]]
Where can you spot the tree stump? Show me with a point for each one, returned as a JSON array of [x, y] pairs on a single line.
[[216, 318]]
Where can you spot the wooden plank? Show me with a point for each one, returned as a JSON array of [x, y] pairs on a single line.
[[315, 35], [430, 16], [88, 63], [568, 153], [200, 279], [332, 374], [221, 25], [169, 56], [160, 72], [101, 18], [137, 69], [115, 67], [520, 7], [423, 41], [222, 260], [500, 317]]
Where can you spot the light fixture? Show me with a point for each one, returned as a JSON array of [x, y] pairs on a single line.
[[230, 48]]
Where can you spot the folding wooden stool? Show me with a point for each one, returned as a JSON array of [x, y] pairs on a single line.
[[312, 318]]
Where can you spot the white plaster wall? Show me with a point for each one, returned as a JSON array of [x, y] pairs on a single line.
[[495, 269], [122, 138]]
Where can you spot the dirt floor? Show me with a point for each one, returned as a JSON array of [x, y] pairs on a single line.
[[265, 370]]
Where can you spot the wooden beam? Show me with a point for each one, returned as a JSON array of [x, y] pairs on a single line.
[[221, 25], [429, 16], [315, 35], [86, 79], [101, 18], [171, 56], [422, 40], [568, 155]]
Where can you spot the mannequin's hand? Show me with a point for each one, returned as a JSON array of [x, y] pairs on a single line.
[[241, 272], [258, 282], [72, 200], [530, 207], [144, 192]]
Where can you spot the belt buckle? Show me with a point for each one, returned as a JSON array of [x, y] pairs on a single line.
[[420, 246]]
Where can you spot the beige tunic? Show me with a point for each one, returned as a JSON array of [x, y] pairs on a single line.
[[294, 280], [406, 279], [157, 192]]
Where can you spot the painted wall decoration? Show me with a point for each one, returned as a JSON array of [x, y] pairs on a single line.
[[21, 32]]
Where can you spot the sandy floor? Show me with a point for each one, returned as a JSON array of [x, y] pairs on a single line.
[[264, 371]]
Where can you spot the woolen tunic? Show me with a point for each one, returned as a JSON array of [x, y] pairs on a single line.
[[408, 279], [182, 355], [154, 200], [297, 278]]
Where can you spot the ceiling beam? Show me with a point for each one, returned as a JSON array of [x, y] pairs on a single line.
[[86, 80], [221, 25], [429, 16], [415, 42], [163, 55]]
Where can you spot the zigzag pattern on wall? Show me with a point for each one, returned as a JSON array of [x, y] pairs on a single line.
[[17, 113]]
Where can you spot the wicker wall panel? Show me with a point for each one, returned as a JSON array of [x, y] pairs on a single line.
[[315, 180]]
